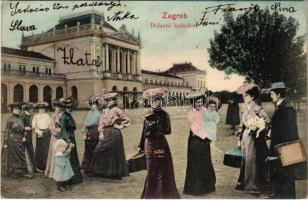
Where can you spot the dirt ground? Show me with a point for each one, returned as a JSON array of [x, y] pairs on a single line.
[[132, 186]]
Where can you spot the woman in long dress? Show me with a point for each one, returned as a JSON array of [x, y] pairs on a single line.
[[200, 175], [13, 160], [254, 148], [90, 129], [55, 130], [109, 157], [41, 126], [68, 126], [160, 181]]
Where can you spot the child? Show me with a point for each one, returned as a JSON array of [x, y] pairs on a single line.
[[211, 117], [62, 167]]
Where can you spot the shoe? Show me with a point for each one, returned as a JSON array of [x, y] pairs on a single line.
[[239, 187], [39, 170], [27, 175], [272, 196], [62, 189]]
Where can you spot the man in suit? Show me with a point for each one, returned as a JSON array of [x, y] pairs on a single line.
[[283, 129]]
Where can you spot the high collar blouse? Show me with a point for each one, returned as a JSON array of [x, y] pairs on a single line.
[[196, 122], [109, 117]]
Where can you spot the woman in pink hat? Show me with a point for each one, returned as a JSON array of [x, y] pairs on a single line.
[[160, 182], [108, 158], [252, 142]]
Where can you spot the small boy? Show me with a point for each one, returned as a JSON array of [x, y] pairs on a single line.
[[211, 117], [62, 167]]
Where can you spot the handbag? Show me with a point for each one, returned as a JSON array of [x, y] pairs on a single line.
[[137, 162], [233, 158]]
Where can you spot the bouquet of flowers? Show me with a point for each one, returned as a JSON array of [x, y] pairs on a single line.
[[256, 124]]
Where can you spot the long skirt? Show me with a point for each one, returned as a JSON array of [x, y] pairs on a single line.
[[90, 144], [29, 147], [13, 158], [108, 157], [41, 150], [253, 173], [77, 178], [50, 158], [200, 175], [160, 182]]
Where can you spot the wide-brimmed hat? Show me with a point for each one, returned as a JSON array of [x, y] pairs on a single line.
[[93, 99], [59, 143], [196, 94], [109, 95], [28, 105], [58, 102], [215, 98], [41, 105], [16, 105], [67, 103], [245, 87], [278, 85], [155, 92]]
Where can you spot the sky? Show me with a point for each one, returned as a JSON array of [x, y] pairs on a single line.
[[161, 47]]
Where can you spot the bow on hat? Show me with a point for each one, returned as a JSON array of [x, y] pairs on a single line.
[[245, 87], [195, 94], [155, 92]]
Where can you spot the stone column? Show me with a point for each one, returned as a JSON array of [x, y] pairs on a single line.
[[125, 63], [113, 66], [26, 92], [118, 60], [128, 63], [133, 72], [40, 93], [103, 58], [138, 63], [53, 93], [107, 57], [10, 93]]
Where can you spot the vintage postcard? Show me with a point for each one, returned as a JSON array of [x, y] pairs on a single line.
[[154, 99]]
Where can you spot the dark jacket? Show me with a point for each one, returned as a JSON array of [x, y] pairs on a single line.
[[161, 126], [284, 126]]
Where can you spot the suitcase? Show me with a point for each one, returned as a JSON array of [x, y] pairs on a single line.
[[136, 163], [291, 152], [233, 158]]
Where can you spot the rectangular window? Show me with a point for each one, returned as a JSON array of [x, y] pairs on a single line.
[[33, 69]]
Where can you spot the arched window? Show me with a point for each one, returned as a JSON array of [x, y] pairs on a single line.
[[74, 92], [114, 88], [125, 89], [3, 98], [59, 92], [18, 93], [33, 93], [47, 95], [135, 89]]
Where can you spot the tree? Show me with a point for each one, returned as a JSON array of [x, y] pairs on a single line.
[[262, 46]]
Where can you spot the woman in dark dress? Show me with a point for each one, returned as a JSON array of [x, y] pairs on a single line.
[[200, 175], [68, 126], [233, 115], [13, 160], [108, 158], [160, 182]]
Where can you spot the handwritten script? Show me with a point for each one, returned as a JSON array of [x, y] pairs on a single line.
[[19, 10]]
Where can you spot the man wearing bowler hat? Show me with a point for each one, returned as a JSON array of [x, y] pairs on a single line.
[[283, 129]]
